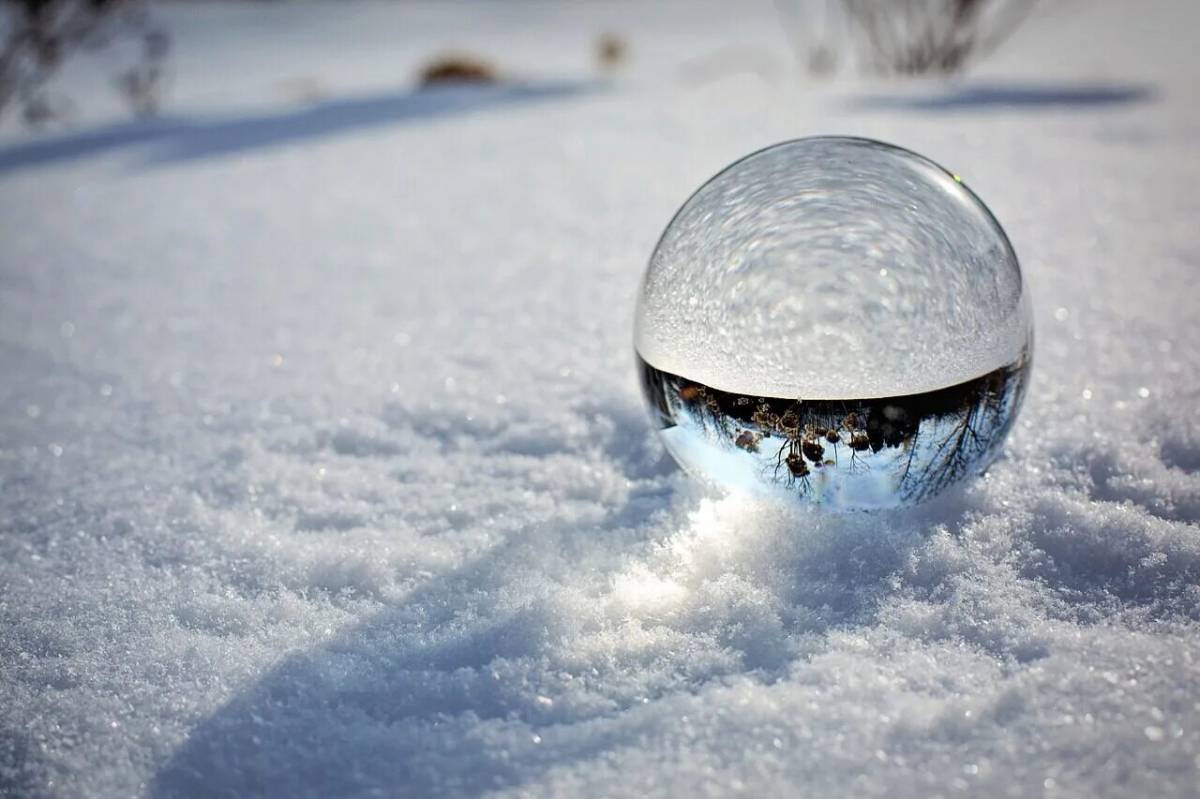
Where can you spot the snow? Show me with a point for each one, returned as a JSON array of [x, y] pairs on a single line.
[[324, 470]]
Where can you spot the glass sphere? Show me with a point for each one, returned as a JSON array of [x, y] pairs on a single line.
[[837, 320]]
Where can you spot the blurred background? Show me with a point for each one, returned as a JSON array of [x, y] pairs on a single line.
[[66, 62]]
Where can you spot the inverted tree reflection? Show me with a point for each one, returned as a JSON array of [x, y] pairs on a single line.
[[914, 445]]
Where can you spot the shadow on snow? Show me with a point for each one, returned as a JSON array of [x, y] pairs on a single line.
[[182, 139], [433, 696], [984, 96]]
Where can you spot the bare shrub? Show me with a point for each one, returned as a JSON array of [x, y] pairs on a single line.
[[914, 37], [907, 37], [40, 35]]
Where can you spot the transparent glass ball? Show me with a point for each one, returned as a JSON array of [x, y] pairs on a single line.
[[835, 320]]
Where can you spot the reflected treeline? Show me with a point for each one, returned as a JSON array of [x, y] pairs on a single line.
[[912, 446]]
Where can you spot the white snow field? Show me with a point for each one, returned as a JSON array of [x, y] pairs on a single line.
[[324, 470]]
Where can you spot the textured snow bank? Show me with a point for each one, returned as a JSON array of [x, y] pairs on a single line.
[[324, 470]]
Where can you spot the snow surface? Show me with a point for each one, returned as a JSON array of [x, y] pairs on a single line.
[[324, 470]]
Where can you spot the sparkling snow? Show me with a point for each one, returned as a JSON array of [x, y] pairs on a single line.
[[323, 469]]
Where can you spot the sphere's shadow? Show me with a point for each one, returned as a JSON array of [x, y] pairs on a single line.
[[451, 691]]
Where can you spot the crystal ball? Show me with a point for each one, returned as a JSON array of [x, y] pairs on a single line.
[[837, 321]]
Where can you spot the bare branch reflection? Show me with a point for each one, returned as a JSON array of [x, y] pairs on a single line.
[[863, 452]]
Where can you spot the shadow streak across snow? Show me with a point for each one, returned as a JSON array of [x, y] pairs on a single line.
[[995, 96], [180, 139]]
